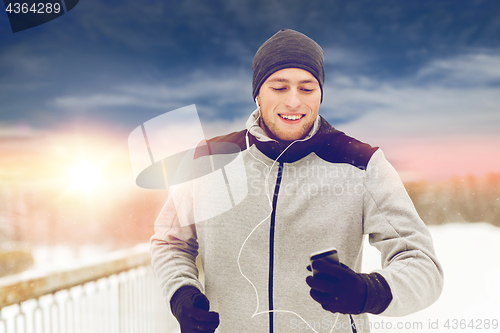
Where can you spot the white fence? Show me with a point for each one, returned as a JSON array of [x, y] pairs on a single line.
[[119, 294]]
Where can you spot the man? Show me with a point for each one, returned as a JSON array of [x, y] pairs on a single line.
[[311, 187]]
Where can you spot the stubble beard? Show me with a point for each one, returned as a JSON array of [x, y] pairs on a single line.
[[306, 128]]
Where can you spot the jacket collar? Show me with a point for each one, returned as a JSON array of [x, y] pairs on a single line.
[[258, 132], [272, 148]]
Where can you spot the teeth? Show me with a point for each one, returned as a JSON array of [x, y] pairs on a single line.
[[291, 117]]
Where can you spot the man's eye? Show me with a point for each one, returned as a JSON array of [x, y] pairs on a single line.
[[279, 89], [307, 90]]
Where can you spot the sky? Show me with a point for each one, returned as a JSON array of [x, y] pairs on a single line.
[[419, 79]]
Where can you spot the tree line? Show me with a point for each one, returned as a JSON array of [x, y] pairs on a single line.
[[42, 216]]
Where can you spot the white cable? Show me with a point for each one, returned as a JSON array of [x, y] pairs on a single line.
[[269, 215]]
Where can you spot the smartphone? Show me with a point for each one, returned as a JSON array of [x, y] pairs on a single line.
[[331, 255]]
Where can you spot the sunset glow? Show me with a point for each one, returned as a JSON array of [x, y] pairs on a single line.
[[85, 176]]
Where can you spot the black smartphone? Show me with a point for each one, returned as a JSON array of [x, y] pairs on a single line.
[[331, 255]]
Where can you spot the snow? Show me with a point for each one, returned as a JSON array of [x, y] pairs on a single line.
[[469, 255], [61, 256]]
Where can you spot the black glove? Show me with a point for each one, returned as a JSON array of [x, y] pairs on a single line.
[[190, 307], [339, 289]]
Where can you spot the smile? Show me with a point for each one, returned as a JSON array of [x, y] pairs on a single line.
[[291, 117]]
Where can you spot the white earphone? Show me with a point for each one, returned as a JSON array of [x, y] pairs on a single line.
[[246, 135], [266, 186]]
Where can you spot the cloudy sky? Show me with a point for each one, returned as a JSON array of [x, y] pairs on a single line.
[[420, 79]]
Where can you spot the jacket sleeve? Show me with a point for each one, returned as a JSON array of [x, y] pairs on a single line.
[[409, 263], [174, 245]]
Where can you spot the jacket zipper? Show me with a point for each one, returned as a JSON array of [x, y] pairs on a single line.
[[271, 247]]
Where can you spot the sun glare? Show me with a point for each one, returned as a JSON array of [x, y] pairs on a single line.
[[85, 176]]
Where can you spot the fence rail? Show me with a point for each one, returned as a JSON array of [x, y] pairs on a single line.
[[117, 294]]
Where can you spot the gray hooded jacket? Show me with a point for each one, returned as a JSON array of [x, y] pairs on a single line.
[[327, 190]]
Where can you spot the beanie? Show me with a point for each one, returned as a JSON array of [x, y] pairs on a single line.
[[288, 49]]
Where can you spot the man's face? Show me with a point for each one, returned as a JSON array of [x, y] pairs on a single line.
[[289, 102]]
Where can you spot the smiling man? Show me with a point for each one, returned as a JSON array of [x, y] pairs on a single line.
[[312, 188], [289, 101]]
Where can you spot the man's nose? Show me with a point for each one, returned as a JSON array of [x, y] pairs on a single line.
[[292, 99]]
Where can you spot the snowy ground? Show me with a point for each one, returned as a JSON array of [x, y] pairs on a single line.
[[470, 302], [48, 258]]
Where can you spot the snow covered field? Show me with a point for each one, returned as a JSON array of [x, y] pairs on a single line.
[[470, 302]]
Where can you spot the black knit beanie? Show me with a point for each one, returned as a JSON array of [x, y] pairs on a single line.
[[288, 49]]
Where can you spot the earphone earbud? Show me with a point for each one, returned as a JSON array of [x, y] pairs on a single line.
[[266, 186], [246, 135]]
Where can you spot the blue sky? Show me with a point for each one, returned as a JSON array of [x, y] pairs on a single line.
[[419, 76]]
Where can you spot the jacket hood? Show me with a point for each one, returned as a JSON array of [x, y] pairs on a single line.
[[258, 132]]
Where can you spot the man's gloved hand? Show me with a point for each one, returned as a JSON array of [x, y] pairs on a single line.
[[337, 288], [191, 308]]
